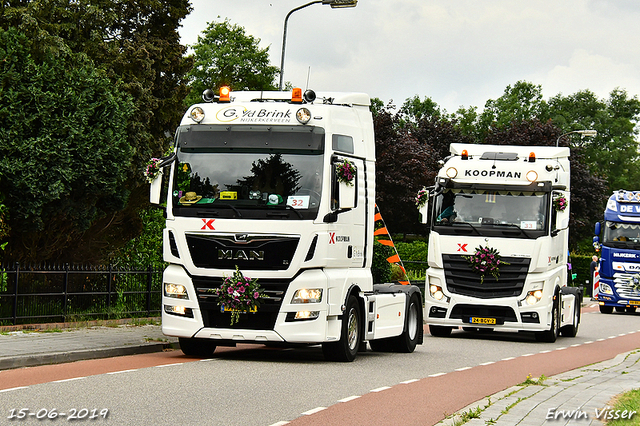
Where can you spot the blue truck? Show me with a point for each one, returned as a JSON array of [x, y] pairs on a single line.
[[617, 285]]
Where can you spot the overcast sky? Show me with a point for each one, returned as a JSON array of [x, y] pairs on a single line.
[[457, 52]]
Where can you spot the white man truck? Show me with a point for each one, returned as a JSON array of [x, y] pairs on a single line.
[[498, 244], [255, 186]]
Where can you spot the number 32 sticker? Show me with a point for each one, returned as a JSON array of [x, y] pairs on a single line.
[[298, 201]]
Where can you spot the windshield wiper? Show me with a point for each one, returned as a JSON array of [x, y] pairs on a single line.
[[461, 223], [512, 225], [228, 205], [286, 207]]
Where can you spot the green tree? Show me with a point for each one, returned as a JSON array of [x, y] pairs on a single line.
[[64, 154], [135, 43], [521, 102], [226, 56], [614, 152]]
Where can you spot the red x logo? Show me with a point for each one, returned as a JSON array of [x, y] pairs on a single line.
[[462, 247], [332, 237], [208, 224]]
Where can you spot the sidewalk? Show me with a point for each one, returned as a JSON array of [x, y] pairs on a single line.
[[575, 397], [27, 348]]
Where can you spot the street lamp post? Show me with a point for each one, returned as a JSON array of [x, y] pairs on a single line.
[[589, 132], [334, 5]]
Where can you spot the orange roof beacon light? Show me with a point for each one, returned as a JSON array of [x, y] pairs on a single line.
[[296, 95], [225, 93], [532, 157], [465, 154]]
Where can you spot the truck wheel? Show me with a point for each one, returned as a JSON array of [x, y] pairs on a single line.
[[606, 309], [346, 349], [439, 331], [199, 348], [551, 335], [408, 340], [630, 310], [620, 308]]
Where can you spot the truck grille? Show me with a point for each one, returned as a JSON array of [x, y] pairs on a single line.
[[625, 286], [247, 252], [263, 319], [461, 279]]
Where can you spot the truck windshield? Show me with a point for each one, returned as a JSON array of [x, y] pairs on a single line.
[[502, 213], [622, 235], [241, 172]]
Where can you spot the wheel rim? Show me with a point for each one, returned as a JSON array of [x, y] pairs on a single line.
[[352, 330], [412, 321]]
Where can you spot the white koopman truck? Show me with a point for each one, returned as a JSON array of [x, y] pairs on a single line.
[[498, 244], [254, 187]]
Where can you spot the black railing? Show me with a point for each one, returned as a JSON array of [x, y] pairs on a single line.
[[61, 293]]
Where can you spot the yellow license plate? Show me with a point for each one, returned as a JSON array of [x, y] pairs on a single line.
[[225, 309], [479, 320], [634, 302]]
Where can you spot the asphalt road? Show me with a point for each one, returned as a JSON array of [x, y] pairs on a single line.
[[255, 385]]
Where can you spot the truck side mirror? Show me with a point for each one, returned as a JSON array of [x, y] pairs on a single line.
[[346, 183], [155, 189], [562, 215], [597, 228], [346, 196]]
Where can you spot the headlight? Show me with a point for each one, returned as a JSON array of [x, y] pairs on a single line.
[[436, 292], [307, 295], [533, 297], [197, 114], [303, 115], [179, 311], [175, 290], [604, 288], [307, 315]]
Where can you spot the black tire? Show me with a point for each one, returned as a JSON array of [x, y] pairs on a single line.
[[630, 310], [551, 335], [620, 308], [408, 340], [199, 348], [440, 331], [606, 309], [346, 349]]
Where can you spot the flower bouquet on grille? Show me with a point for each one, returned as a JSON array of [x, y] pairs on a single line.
[[485, 261], [634, 282], [239, 294]]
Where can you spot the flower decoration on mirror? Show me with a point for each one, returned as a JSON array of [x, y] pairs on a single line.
[[422, 197], [560, 203], [346, 172], [152, 170]]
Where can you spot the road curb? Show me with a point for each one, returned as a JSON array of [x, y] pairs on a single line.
[[22, 361]]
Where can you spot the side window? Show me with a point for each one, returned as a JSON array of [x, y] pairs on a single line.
[[342, 143]]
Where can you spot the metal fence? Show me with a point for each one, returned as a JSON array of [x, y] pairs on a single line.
[[61, 293]]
